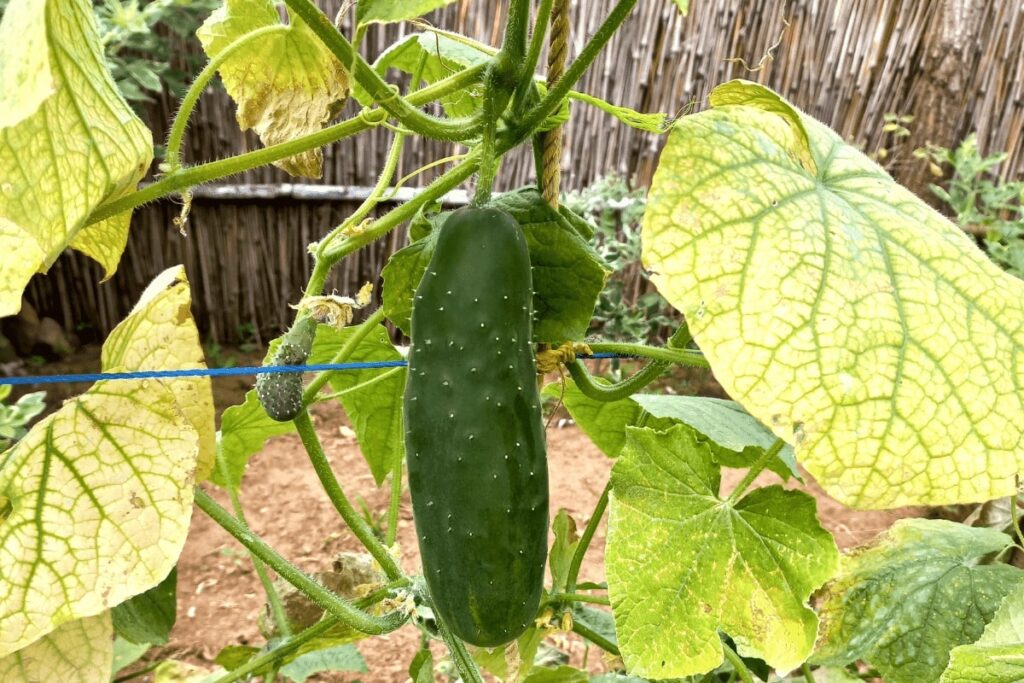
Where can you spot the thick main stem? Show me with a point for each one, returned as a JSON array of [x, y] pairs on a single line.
[[336, 605]]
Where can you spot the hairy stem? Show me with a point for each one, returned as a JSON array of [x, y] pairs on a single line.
[[396, 105], [195, 90], [596, 638], [222, 168], [575, 71], [737, 664], [467, 668], [805, 669], [619, 390], [540, 31], [687, 357], [357, 524], [336, 605], [577, 597], [585, 539]]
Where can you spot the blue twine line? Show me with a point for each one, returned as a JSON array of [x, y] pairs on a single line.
[[222, 372]]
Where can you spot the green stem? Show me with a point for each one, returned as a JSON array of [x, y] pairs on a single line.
[[805, 668], [766, 457], [273, 599], [290, 645], [488, 155], [686, 357], [578, 597], [395, 503], [381, 92], [357, 524], [451, 179], [575, 71], [467, 668], [338, 606], [619, 390], [596, 638], [222, 168], [737, 664], [195, 90], [343, 354], [137, 674], [585, 539], [362, 385], [540, 31]]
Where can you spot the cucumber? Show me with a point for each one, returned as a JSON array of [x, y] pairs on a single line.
[[475, 444], [280, 393]]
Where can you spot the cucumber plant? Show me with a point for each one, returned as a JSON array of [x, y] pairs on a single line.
[[863, 339]]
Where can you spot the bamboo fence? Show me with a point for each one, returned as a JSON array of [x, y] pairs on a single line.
[[956, 65]]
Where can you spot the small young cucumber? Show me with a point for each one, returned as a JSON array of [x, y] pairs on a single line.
[[474, 438], [280, 393]]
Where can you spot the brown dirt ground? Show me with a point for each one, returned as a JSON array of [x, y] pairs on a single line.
[[219, 595]]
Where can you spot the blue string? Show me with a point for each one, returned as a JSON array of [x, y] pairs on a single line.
[[221, 372]]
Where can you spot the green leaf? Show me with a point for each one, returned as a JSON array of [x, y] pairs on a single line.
[[920, 572], [68, 143], [387, 11], [998, 656], [853, 320], [561, 674], [604, 422], [234, 656], [684, 6], [99, 494], [421, 670], [402, 276], [562, 550], [441, 57], [79, 650], [243, 431], [340, 658], [736, 438], [286, 84], [372, 398], [149, 617], [563, 305], [127, 653], [683, 564]]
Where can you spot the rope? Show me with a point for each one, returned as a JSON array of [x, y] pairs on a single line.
[[558, 53], [219, 372], [551, 360]]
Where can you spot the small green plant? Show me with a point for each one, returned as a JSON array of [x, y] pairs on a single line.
[[249, 338], [216, 357], [628, 308], [15, 417], [980, 200]]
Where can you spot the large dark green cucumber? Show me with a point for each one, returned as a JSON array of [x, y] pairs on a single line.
[[474, 437]]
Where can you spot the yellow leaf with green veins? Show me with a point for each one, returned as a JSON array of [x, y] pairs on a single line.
[[80, 650], [845, 314], [99, 494], [68, 142], [286, 84]]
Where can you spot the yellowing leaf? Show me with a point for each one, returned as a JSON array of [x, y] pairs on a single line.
[[286, 83], [160, 334], [98, 496], [387, 11], [918, 591], [684, 564], [80, 650], [68, 142], [840, 310]]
